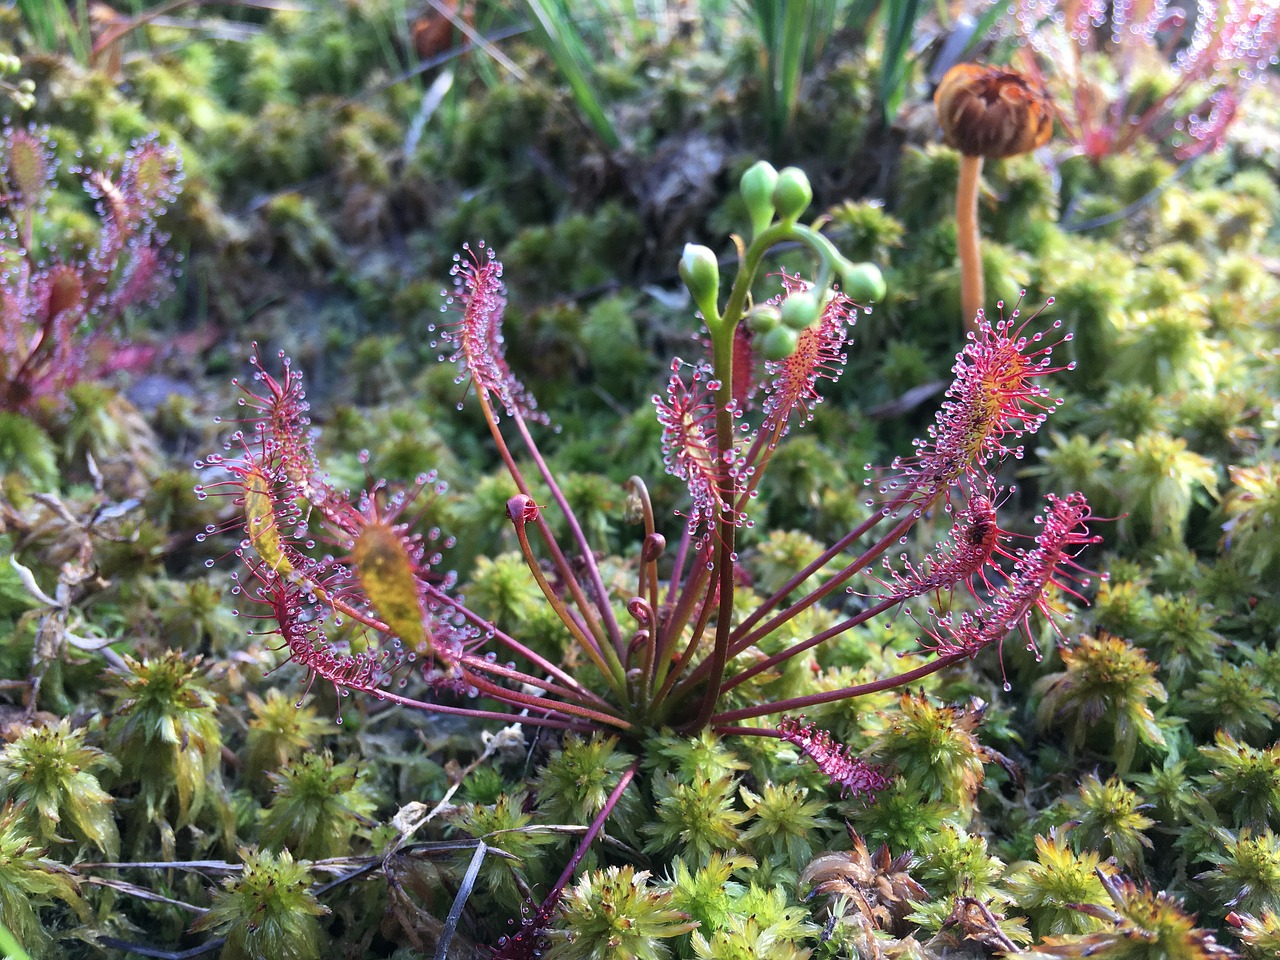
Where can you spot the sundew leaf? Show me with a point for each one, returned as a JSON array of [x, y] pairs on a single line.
[[386, 572]]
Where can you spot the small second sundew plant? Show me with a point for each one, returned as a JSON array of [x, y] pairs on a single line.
[[363, 600], [58, 306]]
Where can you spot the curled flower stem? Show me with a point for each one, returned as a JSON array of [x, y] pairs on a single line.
[[648, 576], [797, 648]]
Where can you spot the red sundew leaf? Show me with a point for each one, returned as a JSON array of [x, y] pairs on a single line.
[[852, 775], [144, 277], [151, 177], [373, 611], [386, 568], [1231, 46], [689, 450], [1050, 564], [262, 521], [296, 618], [282, 426], [819, 355], [476, 335], [63, 288], [995, 399], [28, 167], [975, 540]]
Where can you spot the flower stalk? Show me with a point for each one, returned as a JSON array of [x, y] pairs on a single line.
[[985, 112]]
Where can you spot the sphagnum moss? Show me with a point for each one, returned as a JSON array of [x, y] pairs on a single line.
[[268, 910], [48, 771]]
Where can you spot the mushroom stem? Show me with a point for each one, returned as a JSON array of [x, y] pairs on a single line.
[[971, 282]]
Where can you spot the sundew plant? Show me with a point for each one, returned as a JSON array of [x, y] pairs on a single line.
[[1126, 72], [56, 305], [363, 600]]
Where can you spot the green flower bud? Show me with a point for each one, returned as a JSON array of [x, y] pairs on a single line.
[[801, 310], [763, 318], [757, 190], [779, 343], [701, 274], [792, 193], [863, 282]]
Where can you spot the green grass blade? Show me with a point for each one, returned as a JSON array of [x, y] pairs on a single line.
[[795, 33], [10, 948], [561, 39], [766, 17], [860, 14], [986, 23], [54, 24], [899, 26], [792, 35]]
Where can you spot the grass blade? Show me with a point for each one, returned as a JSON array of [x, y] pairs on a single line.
[[55, 24], [899, 18], [795, 33], [460, 901], [562, 41], [10, 946]]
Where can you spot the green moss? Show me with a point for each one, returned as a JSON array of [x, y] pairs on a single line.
[[615, 912], [49, 772], [1050, 890], [268, 910], [317, 807], [165, 734]]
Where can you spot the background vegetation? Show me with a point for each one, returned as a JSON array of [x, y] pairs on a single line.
[[162, 791]]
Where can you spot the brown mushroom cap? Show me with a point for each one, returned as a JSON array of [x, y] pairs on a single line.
[[990, 112]]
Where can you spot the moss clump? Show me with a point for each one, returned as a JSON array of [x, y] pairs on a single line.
[[268, 910]]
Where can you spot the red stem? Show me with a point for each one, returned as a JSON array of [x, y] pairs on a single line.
[[575, 528], [597, 824], [845, 693], [798, 648]]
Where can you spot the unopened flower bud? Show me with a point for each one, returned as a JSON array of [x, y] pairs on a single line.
[[522, 509], [800, 310], [863, 282], [701, 274], [792, 194], [779, 343], [990, 112], [757, 191], [633, 507], [763, 318]]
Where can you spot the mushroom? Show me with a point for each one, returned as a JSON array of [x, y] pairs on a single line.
[[985, 112]]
